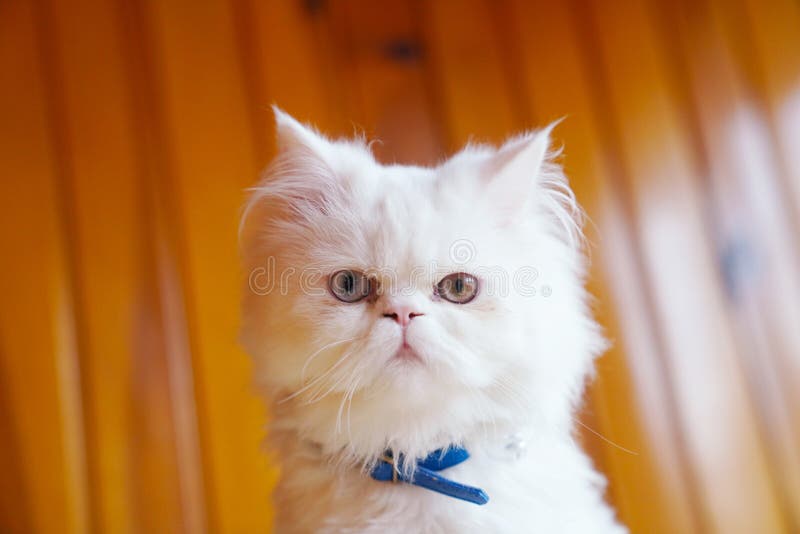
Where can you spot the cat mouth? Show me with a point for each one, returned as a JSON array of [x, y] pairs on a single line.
[[407, 354]]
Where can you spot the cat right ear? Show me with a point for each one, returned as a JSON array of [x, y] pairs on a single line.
[[300, 181], [299, 184]]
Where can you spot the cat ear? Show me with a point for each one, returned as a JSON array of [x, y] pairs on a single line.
[[511, 173], [299, 182], [292, 135]]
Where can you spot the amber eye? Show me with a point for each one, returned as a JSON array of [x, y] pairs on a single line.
[[349, 286], [459, 288]]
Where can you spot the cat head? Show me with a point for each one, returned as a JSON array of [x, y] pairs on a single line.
[[408, 307]]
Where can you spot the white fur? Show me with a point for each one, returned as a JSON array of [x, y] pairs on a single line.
[[507, 362]]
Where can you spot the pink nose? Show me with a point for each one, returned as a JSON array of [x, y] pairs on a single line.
[[401, 314]]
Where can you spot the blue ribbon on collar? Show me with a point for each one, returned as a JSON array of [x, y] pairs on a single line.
[[425, 476]]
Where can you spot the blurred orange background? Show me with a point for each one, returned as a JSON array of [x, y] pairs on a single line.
[[129, 130]]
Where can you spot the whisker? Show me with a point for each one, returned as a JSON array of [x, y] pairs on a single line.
[[317, 353], [599, 435], [350, 407], [316, 398], [512, 393], [341, 405], [348, 398], [316, 380]]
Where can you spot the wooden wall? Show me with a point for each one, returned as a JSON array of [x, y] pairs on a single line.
[[128, 130]]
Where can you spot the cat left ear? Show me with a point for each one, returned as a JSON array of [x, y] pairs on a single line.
[[292, 135], [512, 172]]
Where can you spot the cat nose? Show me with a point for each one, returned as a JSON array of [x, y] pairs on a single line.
[[402, 314]]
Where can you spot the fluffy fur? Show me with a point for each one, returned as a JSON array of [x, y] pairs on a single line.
[[512, 361]]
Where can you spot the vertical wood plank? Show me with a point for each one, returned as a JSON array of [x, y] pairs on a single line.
[[713, 400], [746, 204], [137, 467], [382, 47], [38, 353], [472, 90], [165, 248], [212, 158], [770, 78], [766, 37], [104, 205], [283, 65], [15, 511]]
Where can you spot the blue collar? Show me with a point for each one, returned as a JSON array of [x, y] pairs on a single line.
[[425, 476]]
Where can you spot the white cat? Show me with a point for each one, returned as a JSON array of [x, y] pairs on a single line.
[[407, 311]]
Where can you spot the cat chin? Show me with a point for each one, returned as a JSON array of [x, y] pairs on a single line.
[[411, 423], [411, 410]]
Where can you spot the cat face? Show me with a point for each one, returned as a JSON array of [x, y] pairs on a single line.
[[376, 292]]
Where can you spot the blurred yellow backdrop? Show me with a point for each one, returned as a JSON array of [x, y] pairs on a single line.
[[129, 130]]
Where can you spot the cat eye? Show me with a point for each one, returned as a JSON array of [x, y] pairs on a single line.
[[458, 288], [349, 286]]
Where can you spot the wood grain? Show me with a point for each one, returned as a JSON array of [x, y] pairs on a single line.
[[129, 131]]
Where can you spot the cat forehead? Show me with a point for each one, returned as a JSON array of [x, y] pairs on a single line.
[[406, 217], [404, 190]]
